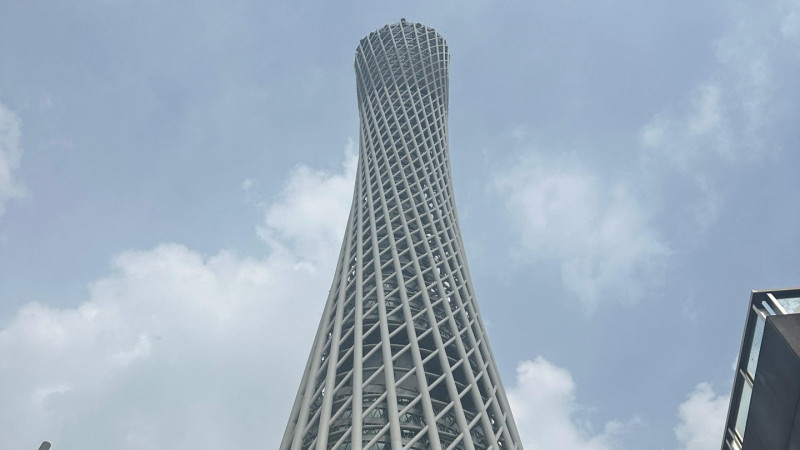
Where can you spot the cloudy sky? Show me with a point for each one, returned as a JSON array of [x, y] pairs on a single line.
[[175, 178]]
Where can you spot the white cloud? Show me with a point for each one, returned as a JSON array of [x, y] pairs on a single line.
[[10, 154], [547, 414], [726, 116], [702, 418], [174, 349], [310, 210], [733, 116], [610, 234], [790, 25], [701, 132], [597, 230], [693, 144]]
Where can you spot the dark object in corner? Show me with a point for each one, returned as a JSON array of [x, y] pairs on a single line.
[[45, 446], [774, 419]]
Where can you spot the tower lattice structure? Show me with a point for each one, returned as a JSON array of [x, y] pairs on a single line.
[[401, 359]]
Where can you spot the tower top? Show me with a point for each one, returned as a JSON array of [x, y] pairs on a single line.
[[399, 29]]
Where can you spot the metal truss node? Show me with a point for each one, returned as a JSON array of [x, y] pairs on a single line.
[[401, 359]]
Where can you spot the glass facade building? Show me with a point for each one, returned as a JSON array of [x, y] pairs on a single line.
[[763, 411], [401, 359]]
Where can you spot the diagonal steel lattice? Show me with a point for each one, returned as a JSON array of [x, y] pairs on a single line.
[[401, 359]]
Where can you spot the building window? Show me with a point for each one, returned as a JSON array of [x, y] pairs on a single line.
[[755, 347], [744, 408]]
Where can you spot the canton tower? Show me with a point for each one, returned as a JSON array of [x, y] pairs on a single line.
[[401, 359]]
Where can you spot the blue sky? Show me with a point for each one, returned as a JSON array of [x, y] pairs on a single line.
[[175, 178]]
